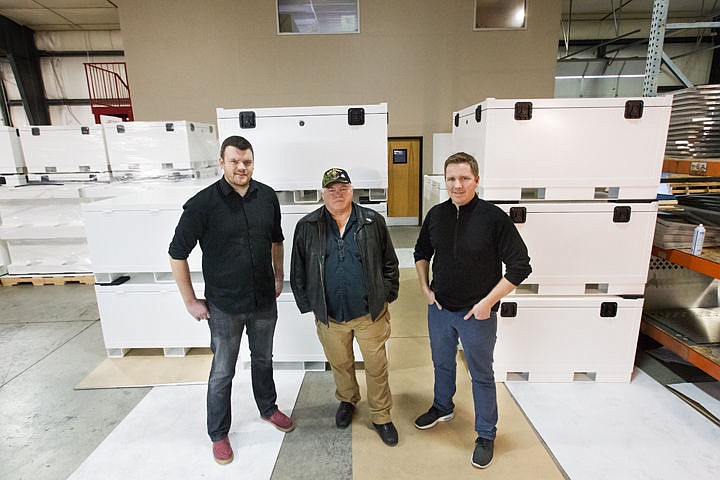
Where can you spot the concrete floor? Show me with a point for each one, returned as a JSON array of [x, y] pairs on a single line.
[[50, 339]]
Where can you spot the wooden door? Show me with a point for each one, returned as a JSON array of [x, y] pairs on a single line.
[[404, 180]]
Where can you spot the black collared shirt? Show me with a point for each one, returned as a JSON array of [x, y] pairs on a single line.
[[345, 291], [469, 246], [236, 235]]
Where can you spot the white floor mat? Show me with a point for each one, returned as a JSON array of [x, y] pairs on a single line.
[[638, 430], [165, 436]]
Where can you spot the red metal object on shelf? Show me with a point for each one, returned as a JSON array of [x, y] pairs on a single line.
[[109, 90]]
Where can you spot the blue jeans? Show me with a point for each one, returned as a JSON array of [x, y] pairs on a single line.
[[478, 341], [225, 332]]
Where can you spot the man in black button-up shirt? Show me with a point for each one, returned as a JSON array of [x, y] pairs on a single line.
[[237, 222]]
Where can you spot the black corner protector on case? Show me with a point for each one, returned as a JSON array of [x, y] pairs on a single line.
[[621, 214], [634, 109], [247, 119], [356, 116], [518, 214], [523, 110], [608, 309], [508, 309]]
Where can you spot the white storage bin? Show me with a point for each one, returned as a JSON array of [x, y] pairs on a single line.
[[295, 342], [565, 148], [144, 314], [434, 192], [58, 149], [294, 146], [557, 339], [586, 248], [161, 146], [131, 233], [12, 160]]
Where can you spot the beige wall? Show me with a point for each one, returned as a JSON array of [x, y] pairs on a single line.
[[187, 57]]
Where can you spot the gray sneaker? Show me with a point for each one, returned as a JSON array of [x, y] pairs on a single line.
[[483, 454], [432, 417]]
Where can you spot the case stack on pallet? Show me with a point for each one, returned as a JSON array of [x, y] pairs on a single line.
[[579, 178], [41, 230], [41, 227], [161, 164], [293, 147], [138, 301], [152, 150], [139, 304], [12, 173]]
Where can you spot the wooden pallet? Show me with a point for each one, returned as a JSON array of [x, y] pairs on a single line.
[[694, 188], [12, 280]]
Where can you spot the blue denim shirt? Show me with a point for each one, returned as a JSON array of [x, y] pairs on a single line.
[[345, 291]]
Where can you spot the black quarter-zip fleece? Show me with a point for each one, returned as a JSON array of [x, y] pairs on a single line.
[[468, 247]]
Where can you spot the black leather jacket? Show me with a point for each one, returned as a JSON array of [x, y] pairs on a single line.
[[379, 262]]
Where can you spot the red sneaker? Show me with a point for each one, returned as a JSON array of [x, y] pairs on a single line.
[[280, 421], [222, 451]]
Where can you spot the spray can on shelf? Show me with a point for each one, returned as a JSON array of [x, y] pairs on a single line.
[[698, 239]]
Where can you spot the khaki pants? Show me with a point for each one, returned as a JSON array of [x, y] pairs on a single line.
[[336, 339]]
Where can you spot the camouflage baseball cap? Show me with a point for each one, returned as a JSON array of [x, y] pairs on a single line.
[[335, 175]]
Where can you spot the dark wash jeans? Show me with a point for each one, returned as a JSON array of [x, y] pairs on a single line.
[[225, 333], [478, 341]]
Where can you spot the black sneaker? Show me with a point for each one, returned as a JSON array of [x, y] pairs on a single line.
[[432, 417], [483, 454]]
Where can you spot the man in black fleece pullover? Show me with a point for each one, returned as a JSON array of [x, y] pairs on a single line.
[[470, 240]]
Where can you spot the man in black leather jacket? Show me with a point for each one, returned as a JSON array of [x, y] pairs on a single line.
[[344, 269]]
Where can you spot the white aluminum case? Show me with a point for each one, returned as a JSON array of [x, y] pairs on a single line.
[[161, 146], [554, 339], [131, 233], [12, 160], [434, 192], [568, 149], [144, 314], [586, 248], [64, 149], [294, 146]]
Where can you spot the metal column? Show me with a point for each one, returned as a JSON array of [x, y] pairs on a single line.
[[655, 47], [18, 45]]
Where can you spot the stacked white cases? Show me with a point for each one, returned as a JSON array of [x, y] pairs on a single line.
[[65, 153], [293, 147], [12, 162], [128, 238], [578, 177], [139, 304], [177, 149]]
